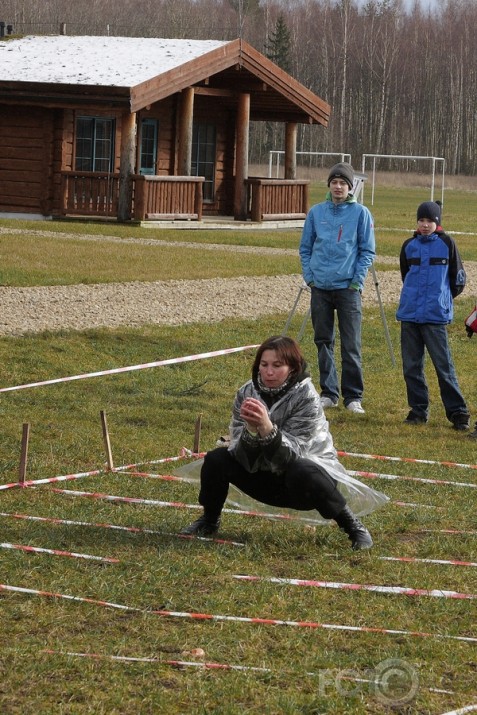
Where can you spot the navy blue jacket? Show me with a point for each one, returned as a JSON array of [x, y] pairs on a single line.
[[433, 275]]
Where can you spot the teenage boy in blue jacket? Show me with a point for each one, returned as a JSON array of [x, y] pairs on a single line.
[[336, 250], [433, 275]]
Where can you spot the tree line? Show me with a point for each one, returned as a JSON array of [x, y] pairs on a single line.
[[399, 81]]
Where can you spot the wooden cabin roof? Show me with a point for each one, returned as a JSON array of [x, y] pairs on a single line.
[[59, 71]]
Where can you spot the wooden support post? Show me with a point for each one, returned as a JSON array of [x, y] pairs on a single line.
[[198, 426], [107, 443], [241, 157], [24, 453], [186, 118], [291, 130], [126, 166]]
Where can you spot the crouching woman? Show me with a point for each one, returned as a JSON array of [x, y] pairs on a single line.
[[281, 451]]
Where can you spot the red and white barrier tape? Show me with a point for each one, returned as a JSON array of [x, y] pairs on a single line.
[[236, 619], [379, 475], [173, 663], [177, 505], [56, 552], [130, 368], [406, 459], [457, 532], [163, 477], [132, 529], [207, 666], [413, 560], [462, 711], [435, 593], [414, 505], [50, 480], [185, 454]]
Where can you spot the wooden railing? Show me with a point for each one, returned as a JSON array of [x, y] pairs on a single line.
[[168, 197], [92, 193], [89, 193], [176, 197], [276, 199]]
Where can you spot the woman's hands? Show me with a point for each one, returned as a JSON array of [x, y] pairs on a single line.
[[256, 416]]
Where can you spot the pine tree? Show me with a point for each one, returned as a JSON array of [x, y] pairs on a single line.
[[278, 45]]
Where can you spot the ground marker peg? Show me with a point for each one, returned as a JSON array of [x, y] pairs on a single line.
[[107, 443], [198, 426], [24, 453]]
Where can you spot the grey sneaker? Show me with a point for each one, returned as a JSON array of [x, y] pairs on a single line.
[[356, 407], [203, 526], [328, 402]]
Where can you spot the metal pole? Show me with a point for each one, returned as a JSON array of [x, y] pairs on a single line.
[[292, 311], [383, 317], [358, 190]]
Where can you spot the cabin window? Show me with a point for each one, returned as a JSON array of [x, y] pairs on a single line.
[[94, 144], [203, 157], [148, 144]]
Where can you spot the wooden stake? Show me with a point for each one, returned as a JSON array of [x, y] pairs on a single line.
[[24, 453], [198, 425], [107, 443]]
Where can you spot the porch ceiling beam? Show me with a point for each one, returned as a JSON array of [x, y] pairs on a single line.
[[215, 92]]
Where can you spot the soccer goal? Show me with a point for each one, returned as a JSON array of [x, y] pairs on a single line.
[[276, 155], [433, 159]]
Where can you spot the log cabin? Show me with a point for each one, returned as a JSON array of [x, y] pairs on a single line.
[[138, 129]]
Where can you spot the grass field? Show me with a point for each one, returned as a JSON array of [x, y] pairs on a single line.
[[81, 635]]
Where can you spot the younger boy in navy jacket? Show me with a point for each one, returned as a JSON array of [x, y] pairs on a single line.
[[433, 275]]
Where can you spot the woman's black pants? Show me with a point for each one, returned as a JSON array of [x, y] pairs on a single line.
[[303, 485]]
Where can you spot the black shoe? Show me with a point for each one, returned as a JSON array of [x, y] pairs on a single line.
[[413, 419], [473, 435], [203, 526], [460, 421], [357, 533]]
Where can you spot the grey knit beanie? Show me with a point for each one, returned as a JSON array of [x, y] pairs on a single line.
[[342, 171]]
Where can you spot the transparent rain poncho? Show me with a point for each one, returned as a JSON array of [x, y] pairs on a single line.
[[360, 498]]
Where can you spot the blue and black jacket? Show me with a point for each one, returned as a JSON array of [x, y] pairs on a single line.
[[433, 275]]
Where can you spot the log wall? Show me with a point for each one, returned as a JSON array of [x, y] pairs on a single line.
[[26, 152]]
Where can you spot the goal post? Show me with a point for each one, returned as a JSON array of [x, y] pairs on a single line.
[[433, 159], [276, 154]]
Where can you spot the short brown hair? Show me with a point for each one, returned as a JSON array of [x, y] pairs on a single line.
[[287, 350]]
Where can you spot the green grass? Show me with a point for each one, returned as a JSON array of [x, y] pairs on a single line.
[[151, 414], [54, 258], [34, 260]]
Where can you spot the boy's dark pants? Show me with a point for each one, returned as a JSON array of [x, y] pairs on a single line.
[[414, 338]]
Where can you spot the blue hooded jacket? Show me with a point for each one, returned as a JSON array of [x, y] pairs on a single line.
[[337, 245], [433, 275]]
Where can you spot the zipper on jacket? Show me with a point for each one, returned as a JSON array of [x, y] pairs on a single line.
[[340, 233]]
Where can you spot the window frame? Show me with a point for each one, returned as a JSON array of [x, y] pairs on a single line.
[[204, 157], [96, 141], [154, 123]]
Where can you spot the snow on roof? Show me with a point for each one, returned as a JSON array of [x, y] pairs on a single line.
[[108, 61]]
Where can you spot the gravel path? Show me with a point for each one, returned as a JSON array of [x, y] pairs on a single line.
[[78, 307]]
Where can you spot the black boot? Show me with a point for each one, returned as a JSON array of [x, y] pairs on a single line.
[[357, 532], [205, 525]]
